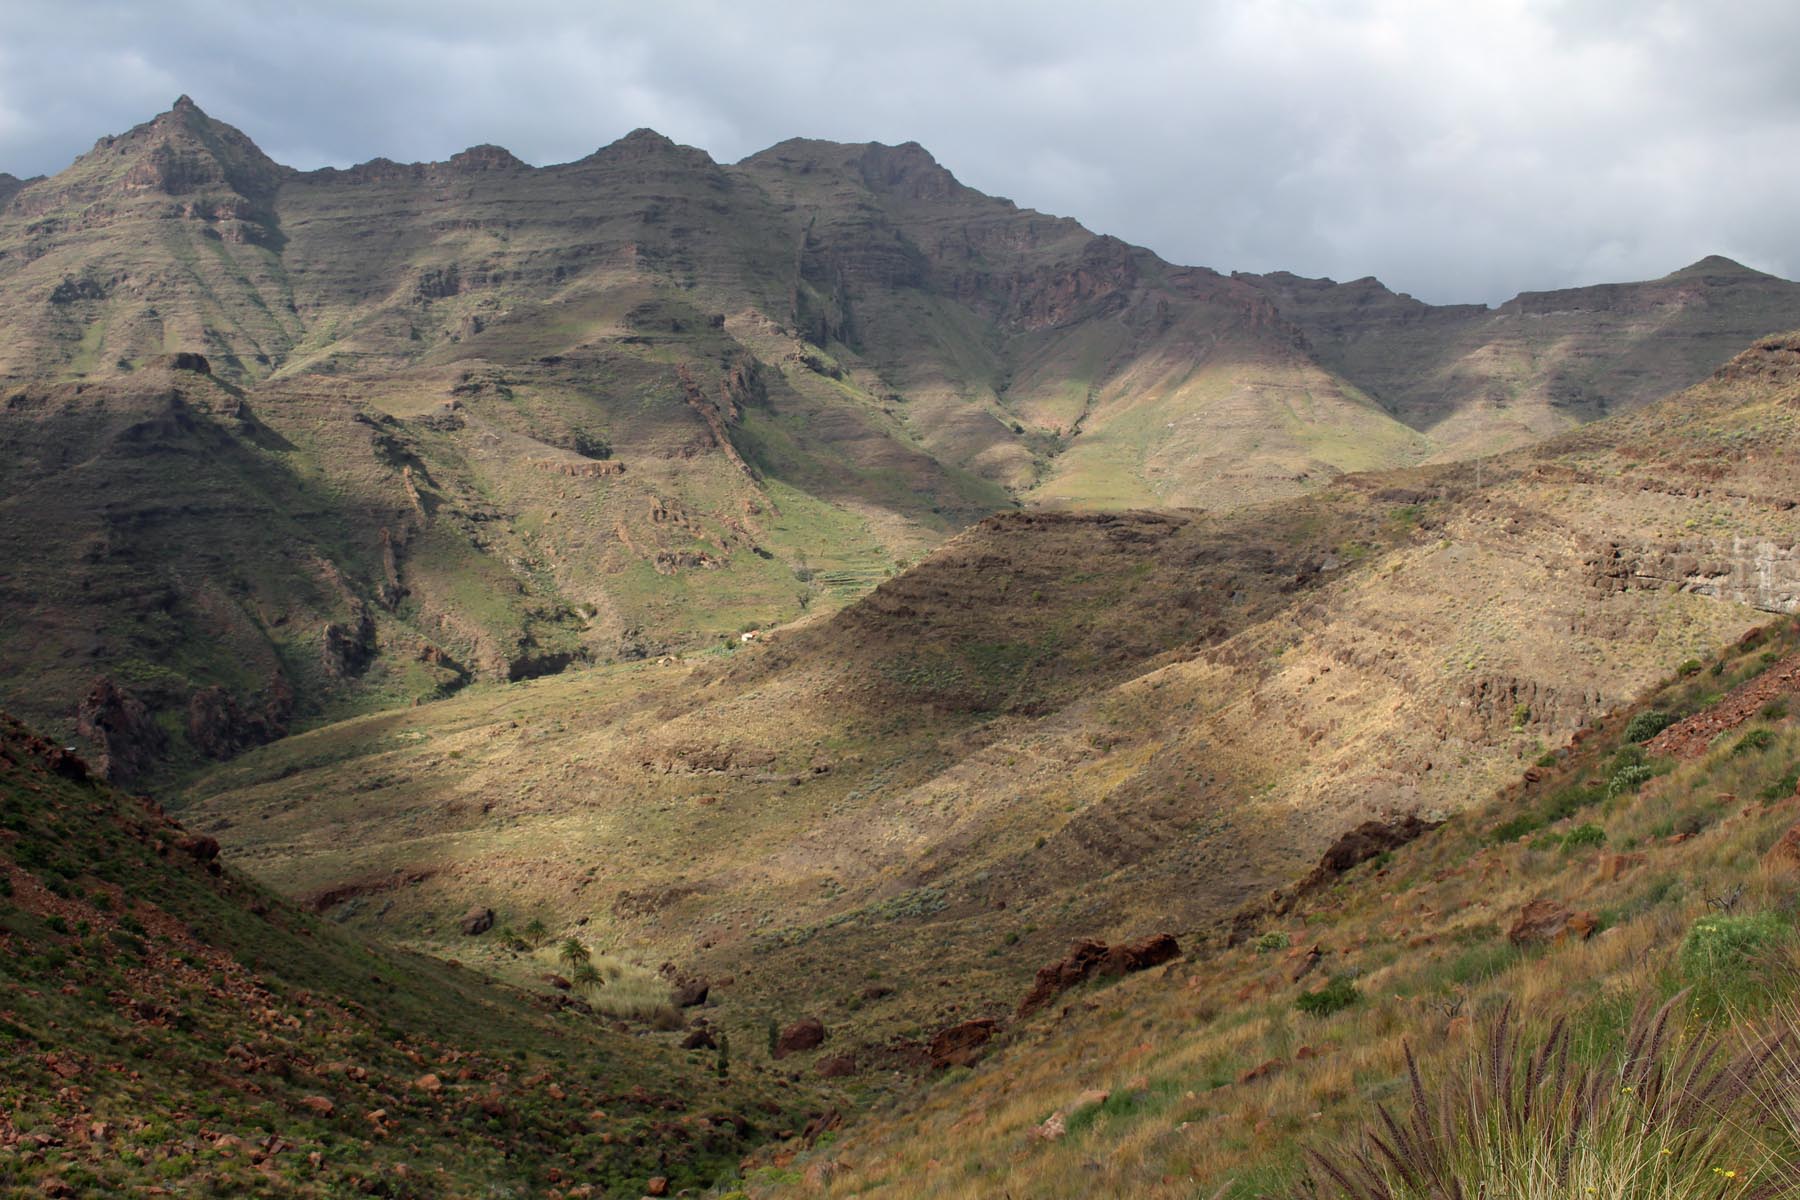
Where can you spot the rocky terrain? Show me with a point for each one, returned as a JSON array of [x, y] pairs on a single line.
[[663, 676], [278, 446], [1059, 726]]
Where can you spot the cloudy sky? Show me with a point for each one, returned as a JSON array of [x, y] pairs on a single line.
[[1462, 150]]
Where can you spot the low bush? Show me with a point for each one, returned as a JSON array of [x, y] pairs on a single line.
[[1733, 962], [1338, 994], [1647, 725]]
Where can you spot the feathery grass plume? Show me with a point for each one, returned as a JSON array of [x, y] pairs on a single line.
[[1662, 1117]]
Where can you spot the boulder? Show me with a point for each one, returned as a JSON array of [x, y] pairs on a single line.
[[198, 846], [808, 1033], [1261, 1071], [1784, 855], [699, 1039], [1612, 867], [558, 982], [476, 921], [837, 1067], [1089, 959], [961, 1045], [1545, 922], [321, 1105], [691, 993]]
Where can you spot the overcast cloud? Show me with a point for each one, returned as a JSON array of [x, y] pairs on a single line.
[[1460, 150]]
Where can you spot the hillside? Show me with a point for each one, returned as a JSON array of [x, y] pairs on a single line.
[[278, 447], [1488, 984], [1058, 726], [169, 1025]]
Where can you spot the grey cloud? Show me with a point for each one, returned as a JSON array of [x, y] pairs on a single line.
[[1460, 152]]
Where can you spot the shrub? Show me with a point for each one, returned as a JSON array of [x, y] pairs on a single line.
[[1727, 959], [1518, 827], [1338, 994], [1271, 941], [1629, 779], [1755, 740], [1566, 802], [1647, 725], [1689, 667], [1584, 835], [1785, 786]]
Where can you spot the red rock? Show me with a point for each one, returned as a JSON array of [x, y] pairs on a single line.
[[558, 982], [429, 1083], [319, 1104], [1261, 1071], [837, 1067], [1612, 867], [1088, 959], [808, 1033], [476, 921], [1543, 922], [960, 1045], [1784, 855]]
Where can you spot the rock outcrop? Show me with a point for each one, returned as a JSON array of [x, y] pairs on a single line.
[[1366, 841], [116, 721], [1096, 960], [1547, 922]]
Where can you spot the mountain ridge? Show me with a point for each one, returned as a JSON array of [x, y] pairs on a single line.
[[515, 419]]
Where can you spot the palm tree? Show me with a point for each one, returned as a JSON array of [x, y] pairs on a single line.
[[572, 953], [585, 975], [536, 933]]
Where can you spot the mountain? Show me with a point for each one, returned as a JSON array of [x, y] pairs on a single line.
[[170, 1026], [1477, 379], [278, 446], [1060, 725]]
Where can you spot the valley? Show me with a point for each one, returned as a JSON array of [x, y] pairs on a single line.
[[800, 677]]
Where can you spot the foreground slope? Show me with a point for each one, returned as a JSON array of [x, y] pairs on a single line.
[[165, 1023], [395, 428], [1058, 726]]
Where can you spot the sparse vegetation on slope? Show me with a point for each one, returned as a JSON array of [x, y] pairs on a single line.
[[1213, 1085], [166, 1023]]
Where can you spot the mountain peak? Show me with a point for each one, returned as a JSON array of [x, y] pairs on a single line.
[[487, 157], [1716, 266]]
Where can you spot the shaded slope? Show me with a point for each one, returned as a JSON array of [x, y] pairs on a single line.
[[166, 1022]]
